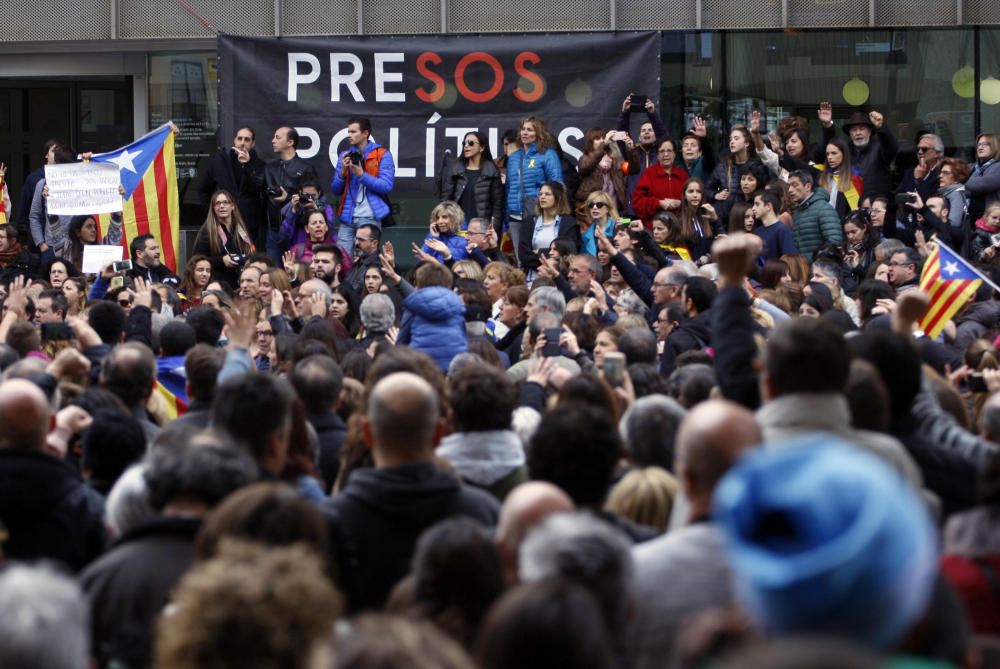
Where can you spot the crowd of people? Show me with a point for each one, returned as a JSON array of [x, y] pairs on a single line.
[[669, 406]]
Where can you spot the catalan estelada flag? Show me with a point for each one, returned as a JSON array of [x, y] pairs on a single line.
[[149, 176], [170, 384], [950, 281]]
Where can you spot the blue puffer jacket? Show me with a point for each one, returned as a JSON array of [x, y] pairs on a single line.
[[457, 244], [532, 169], [434, 322], [376, 187]]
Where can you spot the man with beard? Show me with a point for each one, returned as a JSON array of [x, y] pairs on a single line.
[[239, 170], [873, 147], [643, 153]]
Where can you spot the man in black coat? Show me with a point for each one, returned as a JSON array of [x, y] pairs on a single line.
[[376, 519], [46, 509], [695, 333], [239, 170], [129, 586], [318, 381]]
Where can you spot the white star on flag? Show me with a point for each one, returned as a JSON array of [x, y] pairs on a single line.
[[124, 160], [951, 268]]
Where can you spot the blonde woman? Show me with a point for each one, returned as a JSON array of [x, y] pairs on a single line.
[[597, 211], [443, 242]]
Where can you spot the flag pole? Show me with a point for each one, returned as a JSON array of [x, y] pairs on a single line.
[[969, 266]]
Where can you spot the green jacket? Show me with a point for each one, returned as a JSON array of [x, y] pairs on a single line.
[[816, 223]]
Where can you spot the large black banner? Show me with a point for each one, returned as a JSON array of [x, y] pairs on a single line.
[[423, 93]]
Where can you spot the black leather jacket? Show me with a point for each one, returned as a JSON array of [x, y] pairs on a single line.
[[287, 174]]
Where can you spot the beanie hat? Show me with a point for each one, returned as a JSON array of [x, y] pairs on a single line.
[[826, 539]]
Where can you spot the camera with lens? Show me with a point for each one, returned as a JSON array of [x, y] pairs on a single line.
[[306, 198], [238, 258], [274, 192], [703, 210], [354, 156], [905, 198]]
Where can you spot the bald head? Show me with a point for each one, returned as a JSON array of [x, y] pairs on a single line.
[[25, 416], [402, 420], [526, 506], [710, 440]]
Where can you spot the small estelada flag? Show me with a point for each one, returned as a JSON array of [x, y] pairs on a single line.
[[950, 281]]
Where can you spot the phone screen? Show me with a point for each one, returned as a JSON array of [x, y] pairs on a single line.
[[551, 348]]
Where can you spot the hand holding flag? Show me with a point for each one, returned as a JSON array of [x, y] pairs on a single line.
[[149, 178]]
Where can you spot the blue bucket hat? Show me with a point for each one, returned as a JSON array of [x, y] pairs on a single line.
[[824, 538]]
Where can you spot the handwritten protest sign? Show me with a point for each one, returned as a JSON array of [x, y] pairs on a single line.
[[83, 188], [96, 256]]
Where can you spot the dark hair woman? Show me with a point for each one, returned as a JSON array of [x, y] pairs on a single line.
[[197, 276], [344, 306], [842, 184], [723, 186], [473, 181], [862, 238]]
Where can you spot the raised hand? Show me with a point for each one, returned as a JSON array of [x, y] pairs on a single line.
[[776, 143], [440, 247], [317, 305], [491, 237], [421, 255], [241, 324], [17, 295], [277, 302], [389, 253], [143, 293], [876, 118], [700, 128], [825, 114], [755, 121], [603, 243]]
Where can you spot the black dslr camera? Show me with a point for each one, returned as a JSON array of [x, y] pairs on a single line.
[[354, 156], [238, 258]]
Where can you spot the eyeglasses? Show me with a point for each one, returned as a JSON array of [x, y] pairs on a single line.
[[896, 263], [471, 142], [598, 205], [982, 144], [125, 303], [877, 211], [925, 149], [265, 333]]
